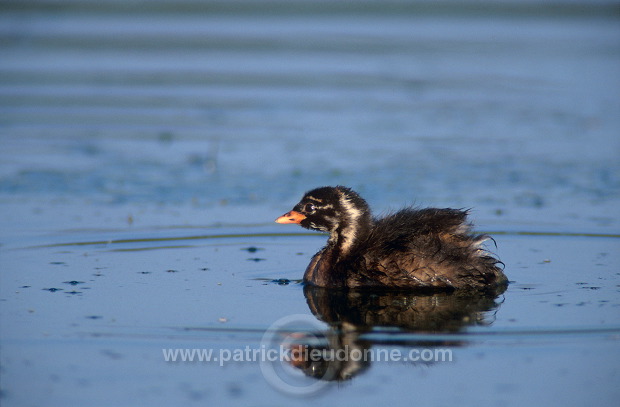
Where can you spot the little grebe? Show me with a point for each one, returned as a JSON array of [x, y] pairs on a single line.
[[424, 249]]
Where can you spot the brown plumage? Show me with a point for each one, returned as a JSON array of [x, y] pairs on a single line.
[[423, 249]]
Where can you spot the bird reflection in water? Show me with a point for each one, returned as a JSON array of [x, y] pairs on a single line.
[[353, 314]]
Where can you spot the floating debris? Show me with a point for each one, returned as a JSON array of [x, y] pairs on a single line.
[[222, 319], [252, 249], [53, 290], [73, 282], [172, 271], [256, 259], [281, 281]]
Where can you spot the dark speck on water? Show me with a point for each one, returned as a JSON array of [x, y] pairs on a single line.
[[282, 281], [73, 282], [52, 290], [167, 135]]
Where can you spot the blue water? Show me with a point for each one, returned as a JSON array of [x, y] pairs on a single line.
[[146, 147]]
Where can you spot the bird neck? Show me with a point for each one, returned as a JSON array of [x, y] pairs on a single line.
[[350, 231]]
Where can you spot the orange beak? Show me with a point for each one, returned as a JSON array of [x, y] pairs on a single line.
[[291, 217]]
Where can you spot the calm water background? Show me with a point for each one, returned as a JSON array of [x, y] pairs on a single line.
[[138, 138]]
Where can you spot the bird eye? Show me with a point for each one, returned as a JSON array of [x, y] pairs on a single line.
[[309, 208]]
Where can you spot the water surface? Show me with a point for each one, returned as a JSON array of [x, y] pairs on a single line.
[[146, 150]]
